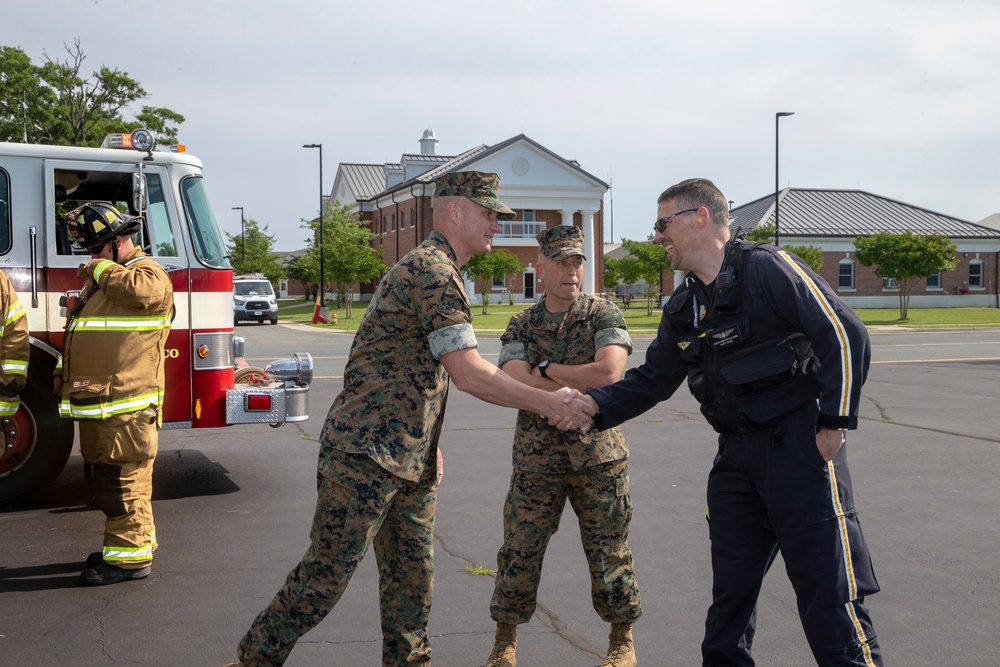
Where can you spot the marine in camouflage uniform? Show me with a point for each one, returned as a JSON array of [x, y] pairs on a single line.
[[377, 472], [587, 467]]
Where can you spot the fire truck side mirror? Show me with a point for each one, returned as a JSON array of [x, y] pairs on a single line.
[[140, 198]]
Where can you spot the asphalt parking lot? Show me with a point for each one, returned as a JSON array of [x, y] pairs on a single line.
[[233, 508]]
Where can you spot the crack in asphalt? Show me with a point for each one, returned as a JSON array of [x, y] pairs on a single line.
[[886, 418], [548, 617]]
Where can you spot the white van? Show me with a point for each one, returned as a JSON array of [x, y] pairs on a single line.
[[253, 299]]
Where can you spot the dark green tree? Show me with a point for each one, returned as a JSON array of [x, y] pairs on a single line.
[[57, 103], [906, 258], [481, 269], [256, 255]]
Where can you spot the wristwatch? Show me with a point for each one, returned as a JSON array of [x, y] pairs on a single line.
[[542, 366]]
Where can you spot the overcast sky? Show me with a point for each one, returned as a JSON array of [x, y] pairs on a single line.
[[900, 98]]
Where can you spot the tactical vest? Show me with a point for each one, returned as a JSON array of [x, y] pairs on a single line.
[[745, 377]]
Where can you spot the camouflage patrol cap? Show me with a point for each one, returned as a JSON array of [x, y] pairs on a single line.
[[560, 242], [478, 186]]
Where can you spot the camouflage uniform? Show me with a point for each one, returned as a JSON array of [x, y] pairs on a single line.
[[377, 466], [588, 467]]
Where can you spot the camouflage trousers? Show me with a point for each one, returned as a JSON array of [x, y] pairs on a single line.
[[358, 504], [118, 458], [599, 497]]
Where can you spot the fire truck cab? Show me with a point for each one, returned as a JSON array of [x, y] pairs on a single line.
[[38, 186]]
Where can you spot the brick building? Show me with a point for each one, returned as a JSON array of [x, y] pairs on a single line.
[[543, 188]]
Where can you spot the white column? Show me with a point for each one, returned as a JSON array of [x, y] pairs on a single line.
[[567, 217], [590, 249]]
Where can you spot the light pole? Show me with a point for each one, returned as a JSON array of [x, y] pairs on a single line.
[[322, 275], [243, 238], [777, 116]]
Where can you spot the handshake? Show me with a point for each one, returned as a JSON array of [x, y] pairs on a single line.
[[569, 409]]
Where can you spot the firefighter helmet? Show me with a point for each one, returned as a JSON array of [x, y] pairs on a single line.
[[92, 225]]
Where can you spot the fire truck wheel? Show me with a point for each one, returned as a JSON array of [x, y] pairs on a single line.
[[38, 441]]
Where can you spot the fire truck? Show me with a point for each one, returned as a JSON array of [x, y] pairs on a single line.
[[207, 382]]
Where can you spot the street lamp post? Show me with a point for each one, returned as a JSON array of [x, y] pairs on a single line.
[[777, 116], [322, 275], [243, 238]]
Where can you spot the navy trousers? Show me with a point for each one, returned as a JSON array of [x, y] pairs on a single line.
[[771, 490]]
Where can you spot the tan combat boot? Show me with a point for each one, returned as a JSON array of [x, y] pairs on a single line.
[[621, 652], [504, 647]]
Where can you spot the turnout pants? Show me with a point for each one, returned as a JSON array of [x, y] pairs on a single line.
[[600, 498], [772, 490], [358, 504], [118, 458]]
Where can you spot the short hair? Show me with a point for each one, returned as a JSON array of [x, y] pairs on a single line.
[[696, 192]]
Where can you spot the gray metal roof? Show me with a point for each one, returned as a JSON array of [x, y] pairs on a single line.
[[849, 213], [451, 165], [991, 221], [365, 180], [420, 157]]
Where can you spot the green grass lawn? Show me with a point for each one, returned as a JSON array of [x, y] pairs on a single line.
[[297, 310]]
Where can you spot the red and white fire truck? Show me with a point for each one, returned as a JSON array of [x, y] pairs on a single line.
[[208, 384]]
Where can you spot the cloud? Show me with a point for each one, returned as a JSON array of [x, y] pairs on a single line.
[[899, 97]]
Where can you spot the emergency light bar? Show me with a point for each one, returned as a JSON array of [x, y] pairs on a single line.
[[140, 140]]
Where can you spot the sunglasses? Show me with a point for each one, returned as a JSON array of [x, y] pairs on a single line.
[[661, 225]]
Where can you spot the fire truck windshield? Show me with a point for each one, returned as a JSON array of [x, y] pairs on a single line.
[[207, 241]]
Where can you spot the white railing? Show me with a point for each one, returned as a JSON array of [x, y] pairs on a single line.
[[518, 229]]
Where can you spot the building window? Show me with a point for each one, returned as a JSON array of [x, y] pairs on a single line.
[[529, 215], [976, 274], [499, 282], [889, 284], [845, 276], [934, 282], [393, 222], [413, 218]]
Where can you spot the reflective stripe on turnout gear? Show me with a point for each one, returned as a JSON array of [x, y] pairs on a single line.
[[152, 323], [92, 408]]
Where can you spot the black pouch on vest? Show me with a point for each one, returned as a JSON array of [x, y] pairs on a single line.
[[759, 367]]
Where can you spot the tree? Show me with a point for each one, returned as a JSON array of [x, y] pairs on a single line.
[[809, 254], [905, 258], [612, 274], [53, 103], [297, 269], [253, 252], [481, 269], [348, 256], [650, 261]]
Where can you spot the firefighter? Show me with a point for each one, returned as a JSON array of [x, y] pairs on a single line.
[[14, 349], [111, 380]]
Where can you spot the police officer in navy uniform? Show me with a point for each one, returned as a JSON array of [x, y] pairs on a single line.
[[776, 361]]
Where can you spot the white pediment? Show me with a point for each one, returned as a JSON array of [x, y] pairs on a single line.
[[531, 177]]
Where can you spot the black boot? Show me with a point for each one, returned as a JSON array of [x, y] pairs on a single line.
[[105, 574]]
